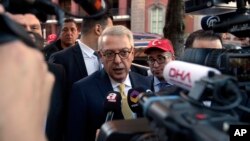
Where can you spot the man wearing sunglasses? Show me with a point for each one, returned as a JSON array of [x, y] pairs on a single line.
[[159, 52], [86, 107]]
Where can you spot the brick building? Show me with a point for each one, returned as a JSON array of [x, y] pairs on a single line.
[[143, 16]]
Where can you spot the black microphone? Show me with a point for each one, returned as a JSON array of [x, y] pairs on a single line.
[[112, 104], [236, 23], [208, 22], [133, 97]]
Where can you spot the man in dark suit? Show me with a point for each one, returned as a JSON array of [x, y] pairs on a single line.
[[86, 113], [79, 60], [68, 36], [56, 118]]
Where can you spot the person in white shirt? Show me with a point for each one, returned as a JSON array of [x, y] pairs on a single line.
[[79, 60]]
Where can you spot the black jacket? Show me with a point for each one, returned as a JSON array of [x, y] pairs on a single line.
[[55, 123], [52, 48]]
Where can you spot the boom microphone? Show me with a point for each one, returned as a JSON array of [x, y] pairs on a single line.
[[184, 75], [112, 104], [236, 23]]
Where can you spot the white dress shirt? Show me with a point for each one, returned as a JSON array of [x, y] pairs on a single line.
[[91, 61], [128, 86]]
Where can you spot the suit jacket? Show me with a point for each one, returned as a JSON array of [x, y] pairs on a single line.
[[86, 113], [52, 48], [73, 63], [55, 125], [139, 70]]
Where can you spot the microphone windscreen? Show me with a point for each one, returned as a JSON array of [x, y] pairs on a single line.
[[112, 102], [133, 99], [184, 75]]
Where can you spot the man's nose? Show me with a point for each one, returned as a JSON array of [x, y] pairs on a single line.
[[117, 58]]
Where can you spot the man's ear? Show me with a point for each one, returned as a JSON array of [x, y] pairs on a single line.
[[133, 53], [98, 29]]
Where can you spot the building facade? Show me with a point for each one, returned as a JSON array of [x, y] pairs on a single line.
[[142, 16]]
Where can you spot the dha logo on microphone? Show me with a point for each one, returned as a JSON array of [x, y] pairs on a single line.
[[134, 97], [180, 76], [112, 97]]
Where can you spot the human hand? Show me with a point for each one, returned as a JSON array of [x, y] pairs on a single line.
[[25, 88]]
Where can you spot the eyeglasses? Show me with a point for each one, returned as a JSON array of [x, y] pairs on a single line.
[[123, 54], [159, 60]]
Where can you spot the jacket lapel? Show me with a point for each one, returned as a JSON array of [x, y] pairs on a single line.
[[79, 60], [103, 83]]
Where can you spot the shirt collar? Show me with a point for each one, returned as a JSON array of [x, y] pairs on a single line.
[[156, 81], [116, 84], [86, 49]]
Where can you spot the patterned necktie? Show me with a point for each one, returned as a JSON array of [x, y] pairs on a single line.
[[126, 111]]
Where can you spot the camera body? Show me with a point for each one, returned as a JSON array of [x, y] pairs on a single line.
[[234, 62]]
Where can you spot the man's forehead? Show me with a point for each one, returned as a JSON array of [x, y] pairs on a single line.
[[27, 19], [205, 43], [69, 24]]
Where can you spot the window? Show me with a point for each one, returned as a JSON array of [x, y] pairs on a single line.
[[156, 19]]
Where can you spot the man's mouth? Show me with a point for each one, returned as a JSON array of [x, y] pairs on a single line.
[[118, 70]]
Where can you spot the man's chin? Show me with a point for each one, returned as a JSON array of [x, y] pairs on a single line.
[[118, 78]]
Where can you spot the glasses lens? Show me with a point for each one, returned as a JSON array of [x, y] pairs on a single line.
[[151, 61], [161, 60], [109, 54], [124, 54]]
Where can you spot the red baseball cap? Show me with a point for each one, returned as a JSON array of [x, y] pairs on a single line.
[[163, 44], [51, 38]]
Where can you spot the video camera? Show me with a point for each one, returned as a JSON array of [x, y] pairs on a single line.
[[234, 62], [225, 16], [185, 116], [231, 16]]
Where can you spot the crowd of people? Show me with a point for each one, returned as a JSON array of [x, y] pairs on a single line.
[[56, 93]]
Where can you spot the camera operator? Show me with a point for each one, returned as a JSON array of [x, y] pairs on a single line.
[[204, 39]]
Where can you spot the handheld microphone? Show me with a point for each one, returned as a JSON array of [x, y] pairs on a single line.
[[184, 75], [208, 22], [112, 104], [133, 100]]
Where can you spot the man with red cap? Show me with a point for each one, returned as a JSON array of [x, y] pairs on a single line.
[[159, 52]]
